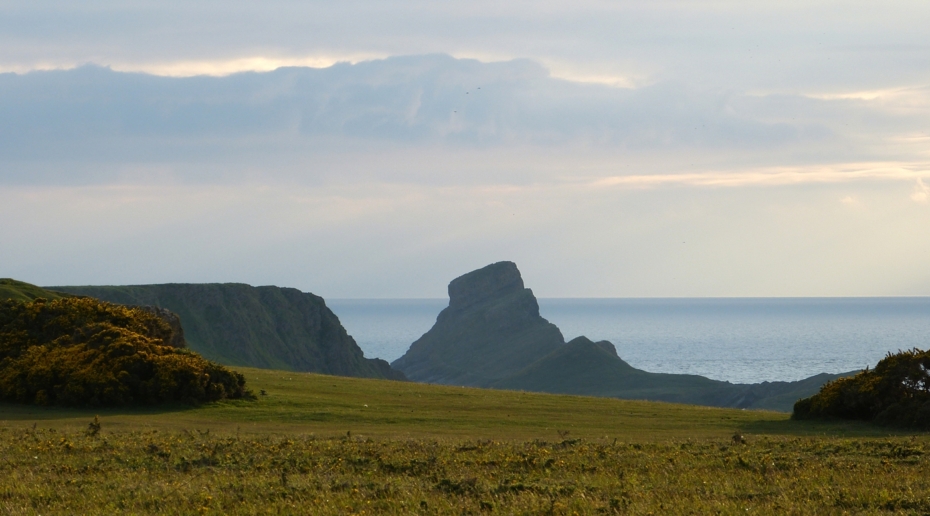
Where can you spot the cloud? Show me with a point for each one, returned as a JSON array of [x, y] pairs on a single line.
[[348, 145], [397, 118], [225, 67], [921, 191], [792, 47], [780, 176]]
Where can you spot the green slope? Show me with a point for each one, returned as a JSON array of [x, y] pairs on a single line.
[[241, 325], [22, 291], [331, 406]]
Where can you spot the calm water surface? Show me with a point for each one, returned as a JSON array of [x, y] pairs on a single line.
[[742, 340]]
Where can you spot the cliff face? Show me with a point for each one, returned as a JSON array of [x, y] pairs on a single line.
[[490, 329], [268, 327]]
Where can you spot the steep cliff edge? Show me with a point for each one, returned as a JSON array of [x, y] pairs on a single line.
[[490, 329], [268, 327]]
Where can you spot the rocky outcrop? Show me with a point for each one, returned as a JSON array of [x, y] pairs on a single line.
[[177, 331], [490, 329], [267, 327]]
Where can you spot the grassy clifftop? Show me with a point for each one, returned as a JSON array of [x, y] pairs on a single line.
[[22, 291], [241, 325]]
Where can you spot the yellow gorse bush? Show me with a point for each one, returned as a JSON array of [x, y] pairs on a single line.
[[896, 392], [85, 352]]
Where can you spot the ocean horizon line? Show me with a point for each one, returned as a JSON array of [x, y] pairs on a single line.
[[571, 298]]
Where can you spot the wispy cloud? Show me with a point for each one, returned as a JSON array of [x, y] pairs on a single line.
[[849, 200], [781, 176], [913, 95], [225, 67], [921, 191]]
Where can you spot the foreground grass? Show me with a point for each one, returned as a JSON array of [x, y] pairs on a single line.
[[47, 471], [332, 445]]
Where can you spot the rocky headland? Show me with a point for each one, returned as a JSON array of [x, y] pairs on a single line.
[[492, 335]]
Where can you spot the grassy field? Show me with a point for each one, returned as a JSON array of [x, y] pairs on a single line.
[[334, 445]]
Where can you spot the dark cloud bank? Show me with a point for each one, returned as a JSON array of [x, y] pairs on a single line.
[[96, 115]]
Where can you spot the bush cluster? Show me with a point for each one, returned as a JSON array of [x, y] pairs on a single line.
[[85, 352], [896, 392]]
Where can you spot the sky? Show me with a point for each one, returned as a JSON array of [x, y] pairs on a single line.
[[365, 149]]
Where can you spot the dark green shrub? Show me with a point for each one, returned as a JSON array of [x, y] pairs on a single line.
[[81, 351], [896, 392]]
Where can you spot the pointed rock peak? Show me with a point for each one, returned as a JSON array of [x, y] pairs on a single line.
[[493, 281], [490, 330]]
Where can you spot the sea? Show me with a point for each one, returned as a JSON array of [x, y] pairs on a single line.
[[740, 340]]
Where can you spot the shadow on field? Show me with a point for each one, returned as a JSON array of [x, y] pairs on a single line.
[[837, 428]]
